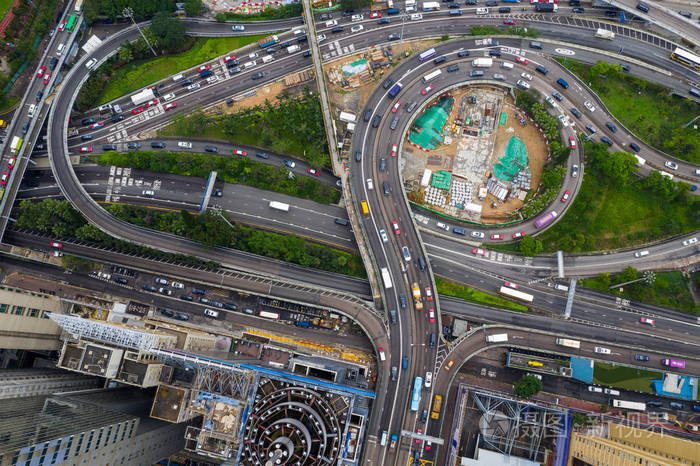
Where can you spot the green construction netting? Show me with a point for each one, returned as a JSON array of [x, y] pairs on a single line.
[[426, 131], [441, 179], [504, 116], [514, 160]]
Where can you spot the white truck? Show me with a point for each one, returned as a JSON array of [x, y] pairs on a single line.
[[279, 206], [497, 338], [293, 48], [482, 62], [142, 97], [605, 34]]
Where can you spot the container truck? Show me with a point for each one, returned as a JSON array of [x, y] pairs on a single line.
[[605, 34], [431, 6], [279, 206], [293, 48], [417, 296], [142, 97], [482, 62], [498, 338], [268, 41]]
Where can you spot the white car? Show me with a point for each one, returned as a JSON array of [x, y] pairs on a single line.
[[148, 192], [192, 87], [589, 106], [321, 37], [564, 120], [212, 79], [211, 313], [527, 76], [385, 237], [671, 165], [443, 226], [177, 285], [428, 379], [477, 234], [370, 183], [357, 28], [184, 145], [690, 241], [593, 389], [601, 350], [331, 23], [238, 27]]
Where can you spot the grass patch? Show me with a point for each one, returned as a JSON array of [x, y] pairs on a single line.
[[5, 6], [628, 378], [646, 108], [510, 248], [607, 215], [230, 169], [7, 102], [140, 73], [475, 296], [670, 289]]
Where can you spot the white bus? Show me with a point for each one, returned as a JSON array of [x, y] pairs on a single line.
[[666, 174], [78, 6], [269, 315], [430, 76], [629, 405], [427, 54], [279, 206], [568, 343], [640, 161], [511, 293], [386, 278]]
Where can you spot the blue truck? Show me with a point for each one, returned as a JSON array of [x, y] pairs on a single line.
[[268, 41], [395, 90]]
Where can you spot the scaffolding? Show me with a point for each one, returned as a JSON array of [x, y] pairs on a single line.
[[107, 333], [517, 429]]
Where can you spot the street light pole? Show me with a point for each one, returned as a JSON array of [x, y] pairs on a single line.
[[129, 12], [403, 22]]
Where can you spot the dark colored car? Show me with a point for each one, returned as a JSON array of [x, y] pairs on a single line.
[[167, 312], [611, 127], [375, 122], [635, 147]]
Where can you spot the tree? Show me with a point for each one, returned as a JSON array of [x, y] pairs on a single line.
[[530, 246], [618, 166], [629, 274], [528, 386], [354, 4], [125, 53], [193, 7], [169, 30]]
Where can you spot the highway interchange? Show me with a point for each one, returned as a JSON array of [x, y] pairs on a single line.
[[413, 328]]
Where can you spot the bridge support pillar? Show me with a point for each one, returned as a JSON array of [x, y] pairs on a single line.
[[207, 193]]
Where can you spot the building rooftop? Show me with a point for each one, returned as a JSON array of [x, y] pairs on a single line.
[[168, 402]]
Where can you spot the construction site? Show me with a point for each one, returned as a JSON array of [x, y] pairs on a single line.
[[472, 155]]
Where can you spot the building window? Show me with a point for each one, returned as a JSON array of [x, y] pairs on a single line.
[[34, 313], [87, 448], [116, 434], [18, 310], [3, 308], [99, 438]]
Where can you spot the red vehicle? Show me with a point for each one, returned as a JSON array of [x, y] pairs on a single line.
[[240, 153], [572, 142], [11, 162], [229, 58], [418, 431], [521, 60], [647, 321], [136, 111], [313, 171], [169, 106], [431, 316], [509, 21], [518, 235], [47, 76], [395, 226], [497, 236], [395, 107], [85, 149], [202, 68], [151, 103], [478, 252], [62, 26], [97, 125], [566, 196], [375, 14], [55, 244], [3, 179], [40, 73], [428, 293], [394, 150], [511, 285], [426, 90]]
